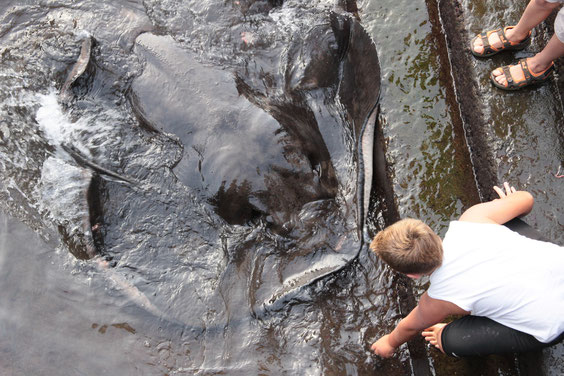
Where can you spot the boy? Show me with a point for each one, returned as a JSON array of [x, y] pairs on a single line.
[[509, 288]]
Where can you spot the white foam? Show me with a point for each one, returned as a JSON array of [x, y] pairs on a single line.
[[63, 192], [63, 185], [83, 34], [51, 118], [89, 132]]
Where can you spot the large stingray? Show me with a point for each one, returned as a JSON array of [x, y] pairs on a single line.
[[285, 147], [237, 184], [291, 146]]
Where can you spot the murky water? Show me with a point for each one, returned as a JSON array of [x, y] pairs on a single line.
[[197, 204]]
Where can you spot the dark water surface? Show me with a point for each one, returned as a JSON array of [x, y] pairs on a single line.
[[198, 200]]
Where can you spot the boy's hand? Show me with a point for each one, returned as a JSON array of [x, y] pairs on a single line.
[[510, 204], [508, 190], [383, 348]]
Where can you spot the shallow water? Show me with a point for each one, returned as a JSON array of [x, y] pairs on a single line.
[[56, 318], [525, 127], [210, 261], [432, 173]]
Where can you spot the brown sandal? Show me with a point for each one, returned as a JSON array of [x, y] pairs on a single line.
[[490, 50], [530, 77]]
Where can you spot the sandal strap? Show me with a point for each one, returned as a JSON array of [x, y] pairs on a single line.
[[525, 68], [539, 76], [504, 41], [508, 77], [486, 42], [488, 48]]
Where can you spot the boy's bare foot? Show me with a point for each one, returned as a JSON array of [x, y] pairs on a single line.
[[495, 41], [433, 335]]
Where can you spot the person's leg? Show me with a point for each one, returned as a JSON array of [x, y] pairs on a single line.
[[479, 336], [536, 12], [541, 61], [521, 227]]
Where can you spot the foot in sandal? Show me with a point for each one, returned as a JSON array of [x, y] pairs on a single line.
[[525, 73], [492, 42]]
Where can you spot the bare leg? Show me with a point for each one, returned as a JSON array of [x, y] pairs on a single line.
[[433, 335], [538, 63], [536, 12]]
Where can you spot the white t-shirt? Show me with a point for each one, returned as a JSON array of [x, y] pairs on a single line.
[[494, 272]]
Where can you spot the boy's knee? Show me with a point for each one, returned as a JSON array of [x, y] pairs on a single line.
[[546, 4]]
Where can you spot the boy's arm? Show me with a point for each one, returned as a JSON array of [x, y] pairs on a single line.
[[510, 204], [428, 312]]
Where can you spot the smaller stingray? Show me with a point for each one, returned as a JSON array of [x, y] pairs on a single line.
[[83, 245]]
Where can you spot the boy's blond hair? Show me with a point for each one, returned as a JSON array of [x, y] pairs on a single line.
[[409, 246]]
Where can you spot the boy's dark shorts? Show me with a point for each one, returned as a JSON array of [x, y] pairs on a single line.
[[479, 336]]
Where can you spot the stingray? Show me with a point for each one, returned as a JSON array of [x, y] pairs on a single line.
[[230, 190], [271, 187], [288, 143]]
